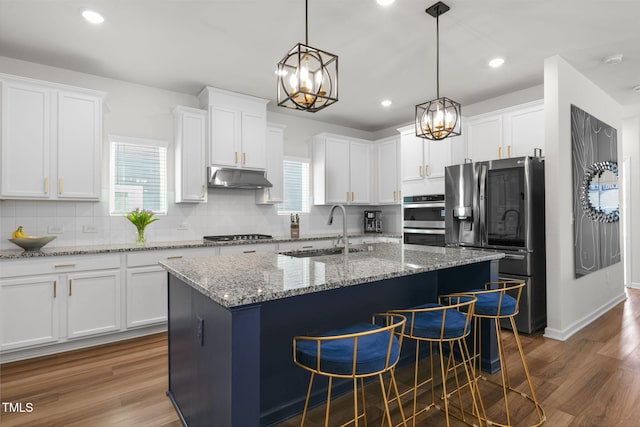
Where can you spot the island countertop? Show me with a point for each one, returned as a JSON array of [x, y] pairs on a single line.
[[244, 279]]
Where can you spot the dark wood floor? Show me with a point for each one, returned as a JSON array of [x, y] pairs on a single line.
[[592, 379]]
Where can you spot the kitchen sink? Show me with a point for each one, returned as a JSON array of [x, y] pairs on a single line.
[[318, 252]]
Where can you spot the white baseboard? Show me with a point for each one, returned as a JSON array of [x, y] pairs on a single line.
[[563, 335], [634, 285], [46, 350]]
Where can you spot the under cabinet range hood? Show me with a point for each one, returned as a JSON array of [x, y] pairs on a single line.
[[236, 178]]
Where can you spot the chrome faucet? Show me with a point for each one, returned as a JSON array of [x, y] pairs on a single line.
[[344, 225]]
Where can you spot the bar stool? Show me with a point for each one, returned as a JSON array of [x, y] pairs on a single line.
[[356, 352], [446, 324], [498, 301]]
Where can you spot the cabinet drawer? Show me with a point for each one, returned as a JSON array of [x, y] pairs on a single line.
[[249, 248], [309, 244], [58, 265], [145, 258]]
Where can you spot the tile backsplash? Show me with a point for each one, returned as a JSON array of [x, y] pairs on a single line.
[[226, 212]]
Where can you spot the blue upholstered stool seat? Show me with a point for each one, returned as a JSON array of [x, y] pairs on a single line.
[[336, 356], [428, 324], [487, 303]]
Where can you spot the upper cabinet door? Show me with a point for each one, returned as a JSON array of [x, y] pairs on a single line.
[[79, 146], [524, 131], [439, 157], [190, 161], [225, 136], [337, 170], [388, 177], [412, 157], [25, 140], [484, 139], [254, 136], [360, 176]]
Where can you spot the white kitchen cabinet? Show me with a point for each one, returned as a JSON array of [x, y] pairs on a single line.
[[146, 296], [511, 132], [51, 141], [248, 248], [342, 171], [423, 158], [190, 154], [79, 146], [388, 171], [29, 310], [237, 128], [93, 303], [274, 171]]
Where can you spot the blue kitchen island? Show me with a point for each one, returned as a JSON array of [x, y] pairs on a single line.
[[232, 320]]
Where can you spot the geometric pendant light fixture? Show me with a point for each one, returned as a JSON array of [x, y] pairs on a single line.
[[441, 117], [307, 77]]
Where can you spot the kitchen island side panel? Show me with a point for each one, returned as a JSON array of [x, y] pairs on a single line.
[[214, 359]]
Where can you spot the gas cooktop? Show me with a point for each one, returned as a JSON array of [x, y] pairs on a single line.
[[230, 237]]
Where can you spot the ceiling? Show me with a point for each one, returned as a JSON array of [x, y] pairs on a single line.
[[384, 52]]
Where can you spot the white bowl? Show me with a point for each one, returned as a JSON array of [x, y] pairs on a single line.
[[32, 243]]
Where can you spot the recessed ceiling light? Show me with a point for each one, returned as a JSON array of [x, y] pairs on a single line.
[[496, 62], [385, 2], [613, 59], [385, 103], [92, 16]]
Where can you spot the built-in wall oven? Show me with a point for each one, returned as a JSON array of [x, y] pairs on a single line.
[[423, 220]]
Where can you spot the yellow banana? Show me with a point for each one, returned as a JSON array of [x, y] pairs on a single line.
[[18, 233]]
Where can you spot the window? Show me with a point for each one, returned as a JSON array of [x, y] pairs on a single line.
[[138, 175], [296, 186]]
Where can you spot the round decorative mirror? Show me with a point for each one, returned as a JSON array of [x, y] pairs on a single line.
[[599, 192]]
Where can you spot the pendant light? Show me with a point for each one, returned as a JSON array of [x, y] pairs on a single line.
[[439, 118], [307, 77]]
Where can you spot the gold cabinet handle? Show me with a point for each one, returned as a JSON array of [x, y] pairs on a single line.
[[244, 158], [70, 287], [236, 160], [499, 152], [352, 196], [347, 196], [426, 170], [46, 186], [394, 196], [249, 252], [174, 257], [508, 150], [420, 170], [55, 288], [63, 265], [59, 185]]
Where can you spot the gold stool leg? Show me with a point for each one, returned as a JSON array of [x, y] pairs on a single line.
[[444, 383], [395, 387], [326, 416], [306, 402], [541, 415], [364, 402]]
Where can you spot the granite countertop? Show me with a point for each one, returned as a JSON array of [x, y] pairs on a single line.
[[243, 279], [151, 246]]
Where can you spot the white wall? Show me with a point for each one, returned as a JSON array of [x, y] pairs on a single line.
[[631, 151], [146, 112], [572, 303]]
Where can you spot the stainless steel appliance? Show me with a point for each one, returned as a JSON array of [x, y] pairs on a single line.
[[373, 221], [424, 220], [499, 205], [230, 237]]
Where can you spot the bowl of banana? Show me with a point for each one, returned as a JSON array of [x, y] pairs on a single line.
[[29, 243]]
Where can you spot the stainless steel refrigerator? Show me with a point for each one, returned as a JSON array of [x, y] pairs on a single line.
[[499, 205]]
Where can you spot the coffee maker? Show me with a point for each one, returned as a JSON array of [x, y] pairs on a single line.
[[373, 221]]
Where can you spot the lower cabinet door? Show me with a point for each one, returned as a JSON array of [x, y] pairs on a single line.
[[146, 296], [28, 311], [93, 303]]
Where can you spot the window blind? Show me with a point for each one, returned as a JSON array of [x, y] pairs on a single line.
[[296, 187], [138, 178]]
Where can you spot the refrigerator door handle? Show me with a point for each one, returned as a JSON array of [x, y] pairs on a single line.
[[483, 204]]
